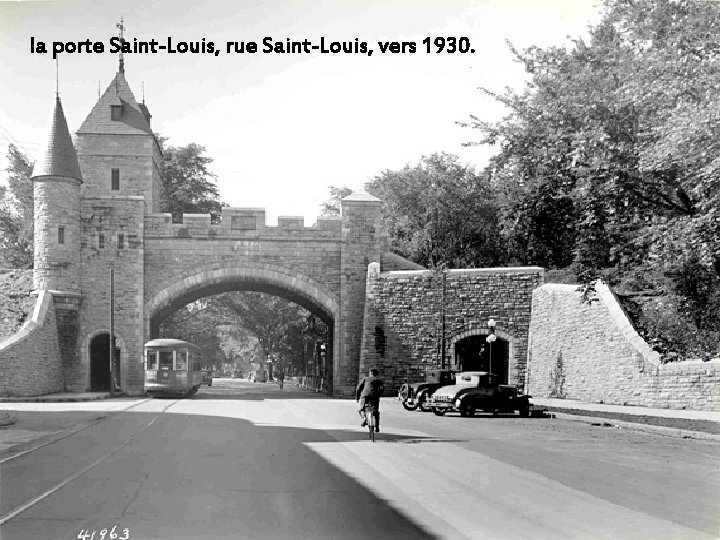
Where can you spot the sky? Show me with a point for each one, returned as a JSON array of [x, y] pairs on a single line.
[[283, 127]]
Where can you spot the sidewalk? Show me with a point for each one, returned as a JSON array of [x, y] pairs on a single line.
[[571, 404], [61, 397], [678, 423]]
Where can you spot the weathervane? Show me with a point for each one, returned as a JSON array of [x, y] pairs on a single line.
[[121, 27]]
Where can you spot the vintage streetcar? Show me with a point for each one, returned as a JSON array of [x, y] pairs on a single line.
[[173, 368]]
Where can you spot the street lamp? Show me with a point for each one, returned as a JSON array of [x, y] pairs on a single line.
[[491, 339]]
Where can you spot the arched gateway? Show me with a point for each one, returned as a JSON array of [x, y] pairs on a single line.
[[97, 209]]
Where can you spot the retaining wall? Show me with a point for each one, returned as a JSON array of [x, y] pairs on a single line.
[[591, 352], [30, 362]]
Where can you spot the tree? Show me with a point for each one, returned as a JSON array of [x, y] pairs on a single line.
[[16, 212], [188, 185], [440, 212], [332, 206], [625, 126], [619, 136]]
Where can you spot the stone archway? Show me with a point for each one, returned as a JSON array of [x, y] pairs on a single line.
[[278, 282], [501, 355]]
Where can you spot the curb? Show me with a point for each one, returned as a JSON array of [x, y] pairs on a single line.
[[661, 430], [60, 398]]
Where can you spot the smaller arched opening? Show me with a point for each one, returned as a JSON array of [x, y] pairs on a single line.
[[470, 351], [99, 353]]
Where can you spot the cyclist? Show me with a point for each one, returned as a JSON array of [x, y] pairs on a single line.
[[369, 391]]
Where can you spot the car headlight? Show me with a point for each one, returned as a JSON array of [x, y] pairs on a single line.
[[457, 403]]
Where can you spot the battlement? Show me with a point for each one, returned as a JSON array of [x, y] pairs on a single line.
[[239, 222]]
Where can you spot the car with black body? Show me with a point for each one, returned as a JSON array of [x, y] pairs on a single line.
[[479, 391], [415, 396]]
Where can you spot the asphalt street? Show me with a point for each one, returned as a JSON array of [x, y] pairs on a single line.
[[244, 460]]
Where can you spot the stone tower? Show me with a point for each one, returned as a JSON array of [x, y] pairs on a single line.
[[56, 190], [57, 267], [121, 163]]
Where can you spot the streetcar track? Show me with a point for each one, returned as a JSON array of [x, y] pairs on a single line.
[[71, 431], [32, 502]]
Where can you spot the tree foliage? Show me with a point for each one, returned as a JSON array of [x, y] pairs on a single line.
[[331, 207], [16, 212], [440, 212], [608, 159], [188, 185], [614, 131]]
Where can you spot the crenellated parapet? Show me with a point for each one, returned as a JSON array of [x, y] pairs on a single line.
[[240, 222]]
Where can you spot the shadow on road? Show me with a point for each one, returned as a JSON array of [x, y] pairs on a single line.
[[259, 472]]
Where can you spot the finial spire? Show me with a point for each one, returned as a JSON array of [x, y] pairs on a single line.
[[120, 26], [57, 77]]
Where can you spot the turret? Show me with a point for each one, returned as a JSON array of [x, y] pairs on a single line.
[[56, 190]]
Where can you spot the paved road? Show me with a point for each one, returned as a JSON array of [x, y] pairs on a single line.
[[248, 461]]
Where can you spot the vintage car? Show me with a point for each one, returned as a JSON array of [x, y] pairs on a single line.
[[414, 396], [479, 391]]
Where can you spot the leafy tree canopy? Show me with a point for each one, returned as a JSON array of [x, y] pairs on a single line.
[[16, 212], [440, 212], [614, 130], [188, 185]]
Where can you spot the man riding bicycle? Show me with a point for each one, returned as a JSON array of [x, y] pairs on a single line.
[[368, 392]]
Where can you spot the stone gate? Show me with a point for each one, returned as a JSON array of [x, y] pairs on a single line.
[[97, 209]]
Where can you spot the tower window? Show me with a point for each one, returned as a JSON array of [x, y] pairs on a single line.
[[61, 234], [116, 112], [121, 241], [115, 179], [101, 241]]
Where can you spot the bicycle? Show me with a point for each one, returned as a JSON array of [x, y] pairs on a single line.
[[369, 411]]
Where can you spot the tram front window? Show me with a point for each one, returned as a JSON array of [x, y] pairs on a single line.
[[166, 359], [152, 360], [181, 360]]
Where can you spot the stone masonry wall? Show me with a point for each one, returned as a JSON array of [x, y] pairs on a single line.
[[136, 157], [590, 352], [30, 360], [112, 237], [363, 241], [56, 203], [402, 317]]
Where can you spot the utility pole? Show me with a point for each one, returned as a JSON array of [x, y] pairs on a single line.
[[442, 339], [112, 332]]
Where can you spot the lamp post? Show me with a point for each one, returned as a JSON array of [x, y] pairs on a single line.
[[323, 367], [491, 339]]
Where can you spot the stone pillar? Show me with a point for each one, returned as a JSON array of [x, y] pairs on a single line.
[[363, 241], [67, 309]]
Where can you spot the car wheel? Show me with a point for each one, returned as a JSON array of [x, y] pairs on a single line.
[[409, 407], [467, 410], [438, 412], [422, 401], [524, 411]]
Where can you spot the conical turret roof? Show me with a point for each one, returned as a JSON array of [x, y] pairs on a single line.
[[133, 120], [59, 157]]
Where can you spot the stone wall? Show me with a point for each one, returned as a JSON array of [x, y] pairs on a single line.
[[30, 362], [402, 318], [112, 238], [590, 352]]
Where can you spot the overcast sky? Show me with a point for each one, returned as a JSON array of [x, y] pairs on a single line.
[[281, 128]]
